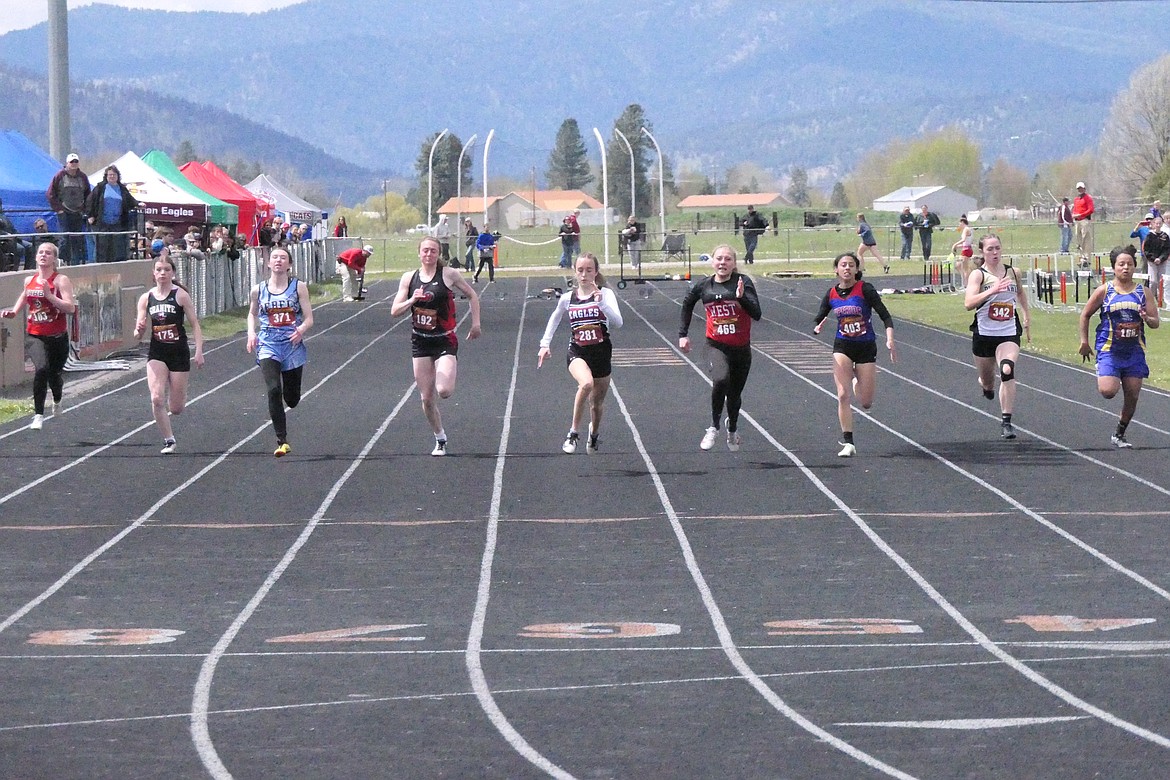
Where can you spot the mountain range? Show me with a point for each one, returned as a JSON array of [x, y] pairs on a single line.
[[780, 84]]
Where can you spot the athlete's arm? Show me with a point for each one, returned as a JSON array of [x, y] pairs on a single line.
[[140, 323], [1092, 306], [63, 300], [750, 300], [1022, 299], [402, 302], [298, 334], [1150, 315], [454, 280], [822, 312], [184, 300], [550, 327], [609, 305], [253, 317]]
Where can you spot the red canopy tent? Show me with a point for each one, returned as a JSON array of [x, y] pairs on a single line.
[[210, 178]]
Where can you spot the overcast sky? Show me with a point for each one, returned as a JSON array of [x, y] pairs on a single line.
[[19, 14]]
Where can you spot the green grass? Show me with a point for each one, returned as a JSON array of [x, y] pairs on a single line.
[[1055, 334]]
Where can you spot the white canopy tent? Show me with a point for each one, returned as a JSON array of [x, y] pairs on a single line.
[[292, 208]]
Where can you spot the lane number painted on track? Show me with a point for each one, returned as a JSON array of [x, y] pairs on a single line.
[[1073, 623], [598, 630], [105, 637], [839, 626], [358, 634]]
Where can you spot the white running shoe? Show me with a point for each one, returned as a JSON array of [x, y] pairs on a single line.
[[848, 450], [58, 407], [570, 445], [38, 421], [440, 448], [708, 438], [1119, 442], [594, 442], [168, 446], [733, 441]]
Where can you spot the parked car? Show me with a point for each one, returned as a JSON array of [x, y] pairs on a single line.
[[422, 229]]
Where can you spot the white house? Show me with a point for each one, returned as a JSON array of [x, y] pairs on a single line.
[[939, 199]]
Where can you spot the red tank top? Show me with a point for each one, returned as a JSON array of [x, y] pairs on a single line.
[[44, 319]]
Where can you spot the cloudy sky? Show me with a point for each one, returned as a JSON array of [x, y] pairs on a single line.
[[19, 14]]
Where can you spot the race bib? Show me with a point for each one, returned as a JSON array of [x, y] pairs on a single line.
[[166, 333], [282, 317], [587, 334], [42, 315], [852, 327], [1128, 330], [1001, 311], [725, 327], [424, 319]]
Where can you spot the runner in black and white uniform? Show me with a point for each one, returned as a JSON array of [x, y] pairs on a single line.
[[593, 311], [279, 315], [1000, 303], [428, 294], [731, 304], [165, 310]]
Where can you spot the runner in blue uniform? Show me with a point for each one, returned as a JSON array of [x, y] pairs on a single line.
[[1127, 309], [593, 311], [853, 303], [166, 309], [278, 317]]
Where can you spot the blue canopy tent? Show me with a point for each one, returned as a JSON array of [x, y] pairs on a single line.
[[25, 173]]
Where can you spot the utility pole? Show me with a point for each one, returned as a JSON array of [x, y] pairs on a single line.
[[60, 143]]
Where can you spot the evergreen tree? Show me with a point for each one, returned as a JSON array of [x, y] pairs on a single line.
[[445, 183], [185, 153], [839, 200], [630, 123], [568, 165], [798, 188]]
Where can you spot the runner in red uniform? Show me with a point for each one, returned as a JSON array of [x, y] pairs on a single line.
[[49, 298], [428, 295], [731, 304]]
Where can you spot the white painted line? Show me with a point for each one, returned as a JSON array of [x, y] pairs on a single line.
[[479, 683], [968, 724]]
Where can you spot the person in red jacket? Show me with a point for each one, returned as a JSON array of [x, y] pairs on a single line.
[[1082, 211], [350, 264]]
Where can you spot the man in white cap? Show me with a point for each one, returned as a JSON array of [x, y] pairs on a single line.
[[66, 194], [1082, 211], [350, 264]]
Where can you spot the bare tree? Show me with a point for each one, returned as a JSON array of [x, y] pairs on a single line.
[[1135, 142]]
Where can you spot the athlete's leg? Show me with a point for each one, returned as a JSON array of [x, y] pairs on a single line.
[[270, 369], [1108, 386], [720, 369], [597, 405], [177, 400], [741, 366], [581, 373], [843, 378], [38, 354], [1010, 351], [157, 379], [446, 372], [985, 367], [58, 352], [1131, 387], [424, 377], [291, 382], [866, 383]]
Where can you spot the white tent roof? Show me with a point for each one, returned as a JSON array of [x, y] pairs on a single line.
[[294, 209], [159, 200]]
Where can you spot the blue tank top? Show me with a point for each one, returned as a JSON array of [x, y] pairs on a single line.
[[1121, 329], [280, 313], [853, 314]]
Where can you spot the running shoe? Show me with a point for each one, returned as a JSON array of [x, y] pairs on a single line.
[[1008, 431], [168, 446], [848, 450], [594, 442], [570, 445], [282, 449], [733, 441], [1119, 441], [58, 407], [709, 438], [440, 448], [988, 394], [38, 420]]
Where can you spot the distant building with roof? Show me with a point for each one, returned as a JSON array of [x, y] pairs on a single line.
[[939, 199], [734, 201], [542, 208]]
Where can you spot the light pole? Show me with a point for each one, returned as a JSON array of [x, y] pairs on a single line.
[[604, 192], [459, 180], [431, 176], [661, 189], [630, 149], [385, 207], [486, 145]]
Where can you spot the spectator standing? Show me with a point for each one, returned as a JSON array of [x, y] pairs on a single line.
[[1082, 211], [567, 239], [67, 193], [350, 263], [753, 227], [267, 235], [632, 234], [470, 237], [109, 209], [1064, 218], [14, 248], [926, 223], [1156, 209], [193, 242], [443, 233], [486, 245], [906, 225], [576, 232], [340, 230], [1156, 252]]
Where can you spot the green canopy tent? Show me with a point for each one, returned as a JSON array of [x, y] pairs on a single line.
[[218, 211]]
